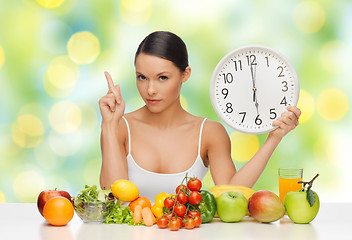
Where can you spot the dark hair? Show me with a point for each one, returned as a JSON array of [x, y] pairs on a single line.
[[166, 45]]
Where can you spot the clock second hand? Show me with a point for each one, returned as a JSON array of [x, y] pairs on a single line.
[[254, 89]]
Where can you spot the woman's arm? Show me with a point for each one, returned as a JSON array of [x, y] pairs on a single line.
[[113, 153], [112, 107], [222, 168]]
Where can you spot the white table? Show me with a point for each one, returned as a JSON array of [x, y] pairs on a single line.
[[23, 221]]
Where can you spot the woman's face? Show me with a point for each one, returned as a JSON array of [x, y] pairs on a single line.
[[159, 81]]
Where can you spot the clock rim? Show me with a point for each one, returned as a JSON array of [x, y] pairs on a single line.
[[220, 64]]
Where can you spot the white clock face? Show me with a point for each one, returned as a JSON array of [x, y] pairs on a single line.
[[251, 87]]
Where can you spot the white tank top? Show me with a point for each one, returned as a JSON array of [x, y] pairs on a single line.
[[150, 183]]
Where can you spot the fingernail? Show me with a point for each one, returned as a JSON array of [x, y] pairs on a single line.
[[118, 101]]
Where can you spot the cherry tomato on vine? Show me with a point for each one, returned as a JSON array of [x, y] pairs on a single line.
[[197, 221], [195, 198], [194, 184], [182, 198], [194, 213], [163, 222], [184, 187], [169, 215], [169, 202], [189, 223], [180, 210], [174, 225]]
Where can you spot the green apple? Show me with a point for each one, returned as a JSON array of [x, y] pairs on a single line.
[[299, 209], [231, 206]]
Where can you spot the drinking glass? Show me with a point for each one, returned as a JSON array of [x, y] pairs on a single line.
[[288, 180]]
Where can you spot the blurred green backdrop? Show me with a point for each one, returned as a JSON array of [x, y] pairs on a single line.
[[53, 54]]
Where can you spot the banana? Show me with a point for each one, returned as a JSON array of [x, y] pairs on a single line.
[[217, 190]]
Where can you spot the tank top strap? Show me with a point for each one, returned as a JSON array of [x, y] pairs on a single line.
[[129, 135], [200, 136]]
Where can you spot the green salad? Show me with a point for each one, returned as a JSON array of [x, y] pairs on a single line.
[[101, 205]]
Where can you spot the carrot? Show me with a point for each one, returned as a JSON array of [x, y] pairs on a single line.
[[148, 216], [137, 215]]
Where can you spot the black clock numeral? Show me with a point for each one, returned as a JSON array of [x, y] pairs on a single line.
[[282, 69], [284, 101], [228, 78], [237, 65], [244, 115], [251, 60], [258, 121], [273, 113], [229, 108], [267, 61], [285, 86], [225, 92]]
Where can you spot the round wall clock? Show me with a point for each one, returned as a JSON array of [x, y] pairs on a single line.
[[251, 87]]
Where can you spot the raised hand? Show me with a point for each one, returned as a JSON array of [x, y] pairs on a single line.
[[112, 105], [286, 122]]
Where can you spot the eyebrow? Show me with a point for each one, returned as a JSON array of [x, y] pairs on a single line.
[[157, 74]]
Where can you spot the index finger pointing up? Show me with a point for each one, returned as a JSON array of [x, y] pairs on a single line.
[[112, 87], [109, 80]]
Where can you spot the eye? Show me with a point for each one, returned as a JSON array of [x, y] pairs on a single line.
[[141, 77], [163, 78]]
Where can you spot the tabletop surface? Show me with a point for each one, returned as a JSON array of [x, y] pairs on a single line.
[[23, 221]]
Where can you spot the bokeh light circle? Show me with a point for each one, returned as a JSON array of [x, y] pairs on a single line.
[[306, 104], [243, 146], [83, 47], [332, 104], [135, 12], [2, 56], [335, 57], [65, 117], [27, 131], [50, 3], [27, 185], [309, 17], [2, 197]]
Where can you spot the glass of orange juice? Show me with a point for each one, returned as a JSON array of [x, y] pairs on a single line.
[[288, 180]]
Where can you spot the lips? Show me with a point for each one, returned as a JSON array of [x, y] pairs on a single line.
[[153, 101]]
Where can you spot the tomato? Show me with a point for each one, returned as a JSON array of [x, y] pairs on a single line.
[[194, 213], [197, 221], [169, 215], [190, 223], [184, 187], [169, 202], [194, 184], [195, 198], [163, 222], [182, 198], [180, 210], [174, 225]]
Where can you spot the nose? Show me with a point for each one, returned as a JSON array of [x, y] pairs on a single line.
[[151, 88]]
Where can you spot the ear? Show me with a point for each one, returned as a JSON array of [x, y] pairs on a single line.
[[186, 74]]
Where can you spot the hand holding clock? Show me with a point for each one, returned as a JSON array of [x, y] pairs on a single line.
[[286, 122]]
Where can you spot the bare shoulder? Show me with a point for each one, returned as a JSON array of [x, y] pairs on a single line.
[[214, 128], [214, 132]]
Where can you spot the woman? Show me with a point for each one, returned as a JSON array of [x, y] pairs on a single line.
[[157, 144]]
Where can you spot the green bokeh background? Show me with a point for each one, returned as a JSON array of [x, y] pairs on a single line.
[[314, 35]]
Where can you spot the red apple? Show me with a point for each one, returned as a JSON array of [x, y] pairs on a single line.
[[46, 195], [266, 206]]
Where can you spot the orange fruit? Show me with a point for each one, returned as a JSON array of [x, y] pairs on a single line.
[[58, 211], [142, 201]]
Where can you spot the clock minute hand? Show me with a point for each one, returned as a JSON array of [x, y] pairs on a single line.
[[254, 89]]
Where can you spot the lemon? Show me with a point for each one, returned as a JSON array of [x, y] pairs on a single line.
[[125, 190]]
